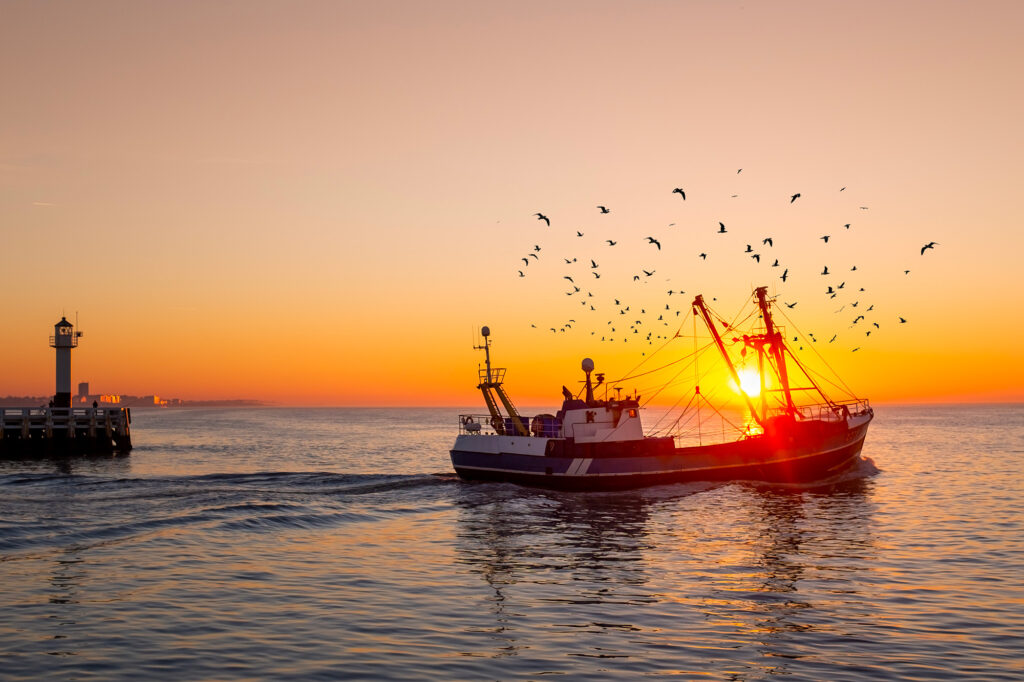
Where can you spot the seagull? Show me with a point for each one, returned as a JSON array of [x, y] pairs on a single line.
[[768, 241], [871, 308], [654, 241], [570, 279], [592, 264], [902, 321], [541, 216], [847, 226], [794, 197], [792, 305], [756, 257], [604, 209], [785, 273], [636, 278], [748, 249], [906, 272], [830, 291], [526, 261], [578, 233], [721, 227], [521, 274], [929, 245], [853, 269], [567, 261], [704, 256], [596, 275], [533, 255], [536, 247], [680, 192], [825, 271], [825, 238], [776, 263], [648, 273], [876, 325], [610, 242], [841, 285], [858, 319]]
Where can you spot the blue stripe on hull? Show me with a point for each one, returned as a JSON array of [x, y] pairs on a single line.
[[745, 460]]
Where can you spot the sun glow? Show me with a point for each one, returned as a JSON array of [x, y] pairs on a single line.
[[750, 381]]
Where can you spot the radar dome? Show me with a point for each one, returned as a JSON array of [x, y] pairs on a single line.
[[485, 331], [588, 365]]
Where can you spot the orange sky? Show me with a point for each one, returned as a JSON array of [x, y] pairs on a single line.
[[316, 202]]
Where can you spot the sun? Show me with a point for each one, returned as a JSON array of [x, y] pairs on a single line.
[[750, 381]]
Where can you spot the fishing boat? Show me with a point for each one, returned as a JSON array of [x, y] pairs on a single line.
[[600, 444]]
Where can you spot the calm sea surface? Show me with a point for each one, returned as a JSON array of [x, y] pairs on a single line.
[[337, 544]]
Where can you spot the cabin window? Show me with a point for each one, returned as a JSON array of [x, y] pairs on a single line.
[[632, 413]]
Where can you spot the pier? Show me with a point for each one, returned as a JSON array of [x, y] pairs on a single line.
[[62, 431]]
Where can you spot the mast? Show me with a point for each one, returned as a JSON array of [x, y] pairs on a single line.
[[776, 345], [702, 310], [490, 380]]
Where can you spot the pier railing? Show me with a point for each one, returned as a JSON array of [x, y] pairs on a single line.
[[58, 429]]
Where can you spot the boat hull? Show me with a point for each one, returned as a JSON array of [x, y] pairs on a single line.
[[800, 453]]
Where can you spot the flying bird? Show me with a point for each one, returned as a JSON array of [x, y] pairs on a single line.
[[756, 257], [593, 265], [704, 256], [570, 279], [521, 274], [541, 216], [578, 233], [768, 241], [610, 242], [785, 273], [721, 227], [792, 305], [929, 245], [533, 255], [749, 249], [847, 226], [654, 241], [604, 209], [902, 321], [776, 263], [794, 197], [647, 273], [680, 192], [536, 247], [526, 261], [597, 275], [825, 271], [825, 238]]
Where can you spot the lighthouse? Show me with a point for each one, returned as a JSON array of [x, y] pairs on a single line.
[[64, 339]]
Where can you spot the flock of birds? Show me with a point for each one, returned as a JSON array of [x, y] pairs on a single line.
[[628, 323]]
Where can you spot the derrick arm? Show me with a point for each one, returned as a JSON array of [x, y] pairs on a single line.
[[776, 345], [701, 309]]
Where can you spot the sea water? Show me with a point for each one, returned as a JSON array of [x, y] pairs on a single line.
[[338, 544]]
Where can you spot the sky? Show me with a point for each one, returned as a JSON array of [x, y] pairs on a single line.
[[316, 203]]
